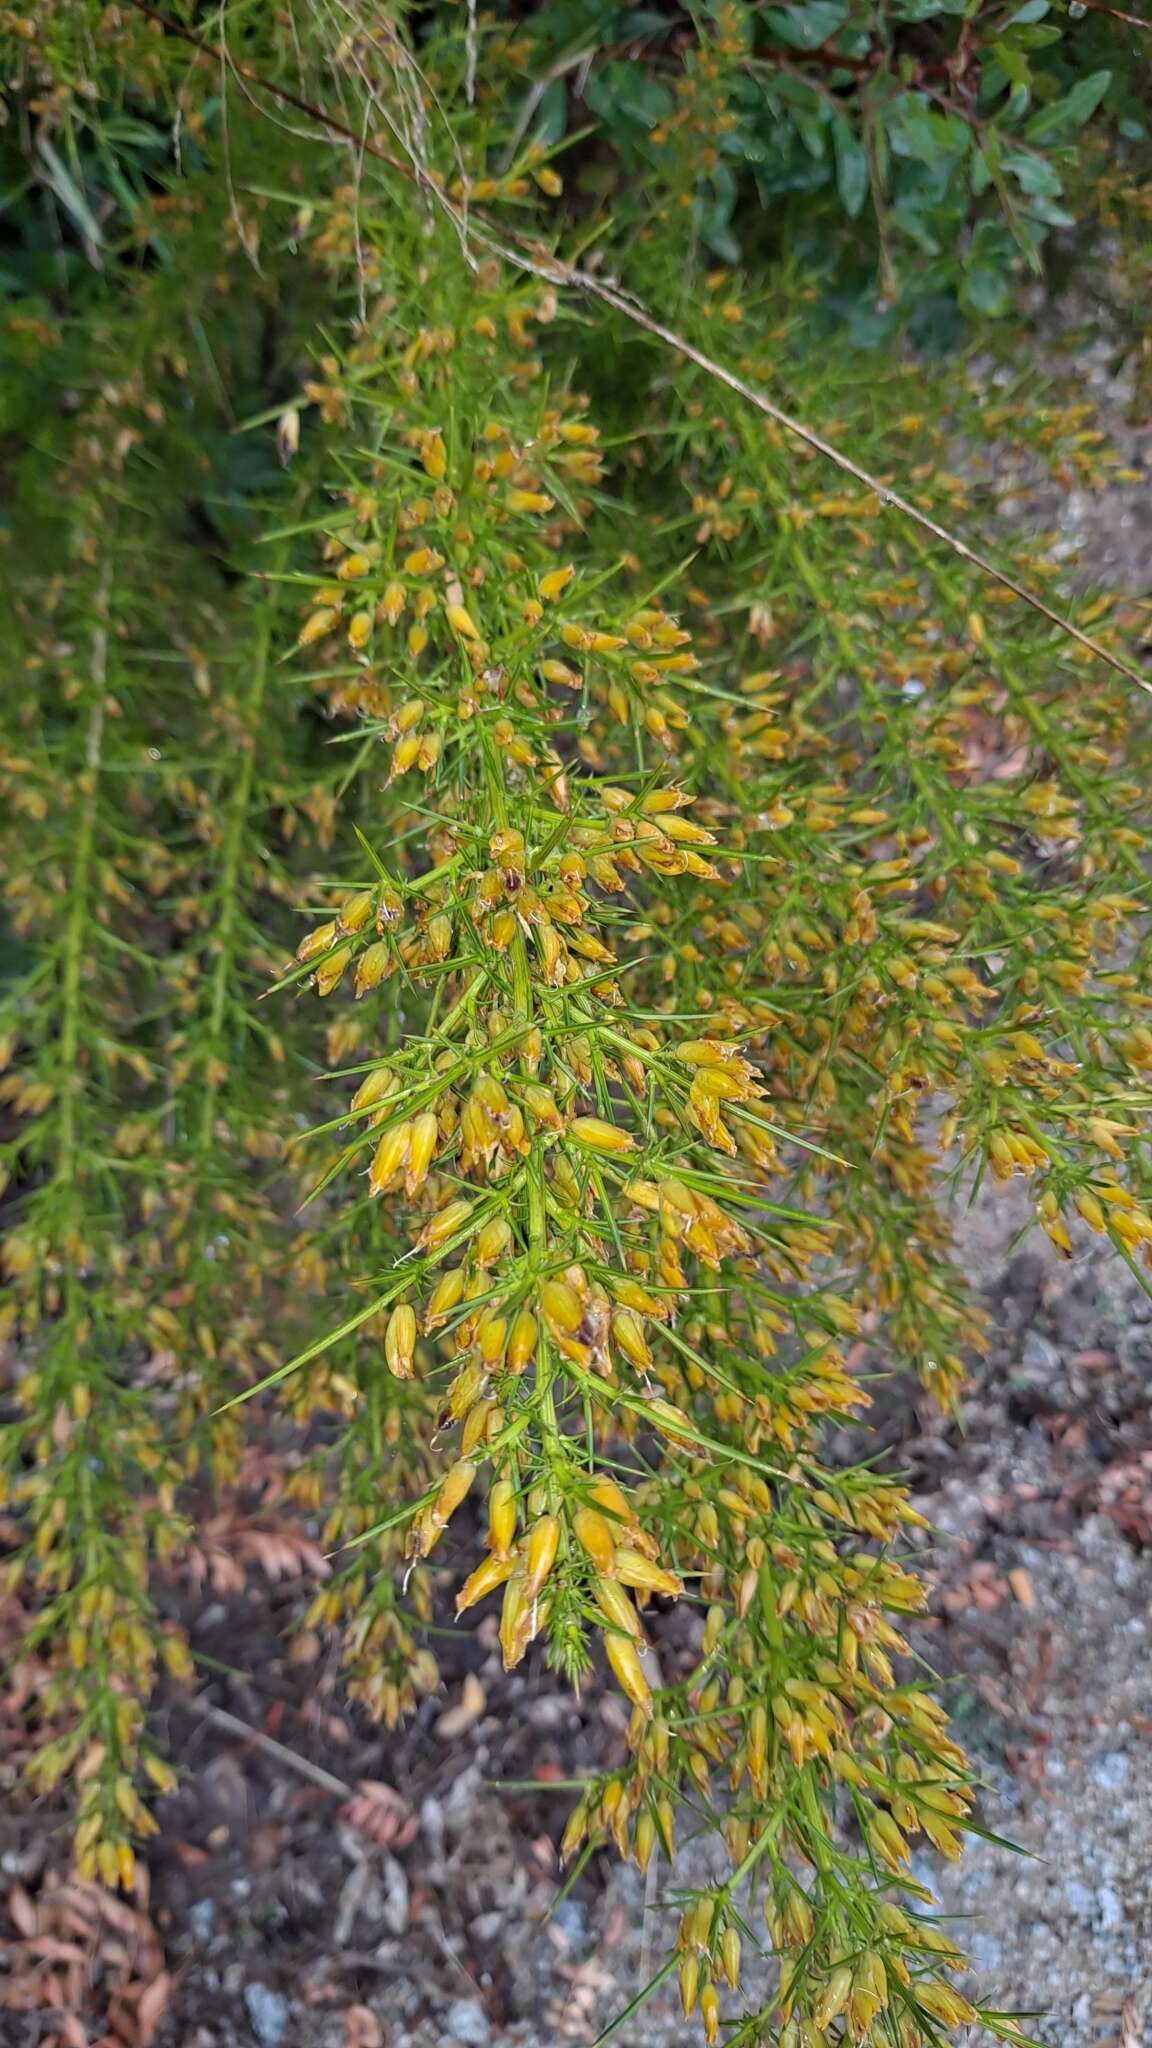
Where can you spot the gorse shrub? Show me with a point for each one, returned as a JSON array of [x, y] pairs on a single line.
[[698, 864]]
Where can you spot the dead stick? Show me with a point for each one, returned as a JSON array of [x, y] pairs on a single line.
[[231, 1724]]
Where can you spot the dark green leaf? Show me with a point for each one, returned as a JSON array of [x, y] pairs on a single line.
[[917, 130], [626, 93], [1013, 63], [1033, 174], [806, 27], [1064, 117], [851, 169], [551, 114], [985, 290]]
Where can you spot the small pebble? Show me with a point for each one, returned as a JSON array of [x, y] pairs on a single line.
[[1039, 1355], [202, 1918], [572, 1920], [268, 2014], [467, 2021], [1109, 1770]]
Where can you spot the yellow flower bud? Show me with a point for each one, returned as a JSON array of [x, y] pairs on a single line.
[[616, 1607], [630, 1294], [645, 1839], [493, 1241], [501, 1517], [493, 1332], [559, 672], [624, 1659], [421, 1151], [670, 1419], [521, 1342], [1090, 1209], [529, 501], [320, 623], [594, 1534], [689, 1979], [477, 1427], [330, 972], [433, 455], [444, 1296], [399, 1339], [389, 1157], [833, 1998], [561, 1307], [629, 1336], [453, 1489], [510, 1620], [555, 583], [632, 1568], [356, 910], [600, 1136], [374, 964], [404, 754], [484, 1580], [540, 1553], [541, 1105], [422, 562], [462, 622], [317, 941], [444, 1226]]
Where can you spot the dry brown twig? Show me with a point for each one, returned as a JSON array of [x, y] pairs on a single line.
[[231, 1724]]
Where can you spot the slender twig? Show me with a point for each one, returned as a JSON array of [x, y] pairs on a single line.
[[612, 296], [553, 270], [1117, 14], [471, 46], [231, 1724]]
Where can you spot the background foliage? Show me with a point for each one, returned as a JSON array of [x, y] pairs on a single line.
[[698, 865]]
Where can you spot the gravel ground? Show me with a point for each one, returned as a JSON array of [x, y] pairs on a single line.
[[289, 1930], [1053, 1675]]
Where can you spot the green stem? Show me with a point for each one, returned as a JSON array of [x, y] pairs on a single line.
[[759, 1848], [228, 893], [79, 888], [524, 1009]]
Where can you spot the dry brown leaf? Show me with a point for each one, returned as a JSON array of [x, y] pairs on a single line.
[[229, 1545], [48, 1948], [22, 1912], [457, 1720], [380, 1813], [117, 1914], [153, 2003]]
